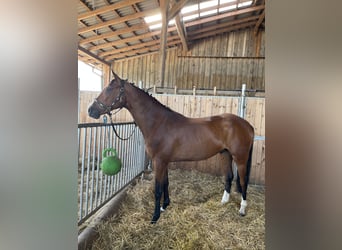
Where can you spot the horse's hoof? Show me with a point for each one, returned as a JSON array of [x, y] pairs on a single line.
[[242, 214], [225, 197], [154, 219]]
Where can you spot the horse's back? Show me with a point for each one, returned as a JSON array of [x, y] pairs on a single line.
[[209, 135]]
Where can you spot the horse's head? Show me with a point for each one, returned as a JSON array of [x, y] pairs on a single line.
[[111, 97]]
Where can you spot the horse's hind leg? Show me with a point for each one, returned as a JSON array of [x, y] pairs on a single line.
[[244, 169], [243, 185], [229, 177]]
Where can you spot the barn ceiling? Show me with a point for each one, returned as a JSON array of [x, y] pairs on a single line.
[[110, 30]]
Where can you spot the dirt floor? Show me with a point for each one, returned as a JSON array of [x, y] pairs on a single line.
[[195, 219]]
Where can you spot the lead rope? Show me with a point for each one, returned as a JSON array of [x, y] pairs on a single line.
[[116, 133]]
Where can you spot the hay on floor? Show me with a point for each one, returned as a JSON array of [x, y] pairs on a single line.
[[195, 218]]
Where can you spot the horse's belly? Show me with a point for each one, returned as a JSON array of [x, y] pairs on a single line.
[[195, 152]]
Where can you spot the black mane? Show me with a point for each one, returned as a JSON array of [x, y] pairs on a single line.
[[154, 100]]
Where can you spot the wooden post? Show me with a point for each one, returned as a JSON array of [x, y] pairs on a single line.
[[105, 75], [163, 39]]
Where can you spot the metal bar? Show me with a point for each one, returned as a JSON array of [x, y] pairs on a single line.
[[98, 168], [95, 188], [93, 167], [242, 101], [88, 169], [101, 175], [82, 174], [93, 124]]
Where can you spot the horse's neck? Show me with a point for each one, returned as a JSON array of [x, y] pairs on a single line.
[[144, 109]]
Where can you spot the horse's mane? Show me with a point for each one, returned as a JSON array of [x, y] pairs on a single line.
[[152, 98]]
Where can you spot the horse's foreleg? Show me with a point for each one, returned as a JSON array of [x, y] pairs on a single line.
[[160, 182], [229, 178], [157, 196], [166, 192]]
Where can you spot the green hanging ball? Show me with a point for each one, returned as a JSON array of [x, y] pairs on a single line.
[[110, 165]]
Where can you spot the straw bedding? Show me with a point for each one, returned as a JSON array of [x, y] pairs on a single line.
[[195, 218]]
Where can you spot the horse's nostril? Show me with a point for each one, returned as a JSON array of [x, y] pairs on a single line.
[[94, 113]]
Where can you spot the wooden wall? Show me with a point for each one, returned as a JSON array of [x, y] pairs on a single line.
[[201, 106], [225, 61]]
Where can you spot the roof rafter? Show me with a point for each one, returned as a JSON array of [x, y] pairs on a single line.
[[175, 9], [108, 8], [111, 54], [261, 18], [119, 20], [126, 40], [224, 15], [181, 32], [223, 30]]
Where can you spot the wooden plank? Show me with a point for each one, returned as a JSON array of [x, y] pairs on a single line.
[[164, 4], [117, 53], [93, 56], [117, 32], [175, 9], [225, 15], [181, 33], [257, 25], [119, 20], [108, 8]]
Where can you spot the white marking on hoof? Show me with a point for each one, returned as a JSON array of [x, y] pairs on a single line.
[[162, 209], [243, 207], [225, 197]]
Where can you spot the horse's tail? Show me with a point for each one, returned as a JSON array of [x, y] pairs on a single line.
[[248, 171], [249, 164]]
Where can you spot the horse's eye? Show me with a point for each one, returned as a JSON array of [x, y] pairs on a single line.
[[109, 89]]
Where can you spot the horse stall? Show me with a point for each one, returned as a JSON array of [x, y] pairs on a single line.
[[209, 62], [195, 219]]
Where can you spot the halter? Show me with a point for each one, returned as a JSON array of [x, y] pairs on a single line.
[[108, 109]]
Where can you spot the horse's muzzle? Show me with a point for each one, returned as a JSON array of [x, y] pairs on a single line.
[[93, 112]]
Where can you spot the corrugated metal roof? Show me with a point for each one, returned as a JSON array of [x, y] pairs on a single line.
[[117, 29]]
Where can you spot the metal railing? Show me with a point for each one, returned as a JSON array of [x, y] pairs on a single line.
[[95, 188]]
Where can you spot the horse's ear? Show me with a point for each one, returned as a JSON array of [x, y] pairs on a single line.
[[115, 76]]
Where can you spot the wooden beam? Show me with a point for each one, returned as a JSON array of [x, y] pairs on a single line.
[[176, 8], [261, 18], [82, 50], [126, 40], [155, 48], [220, 31], [139, 47], [164, 6], [224, 15], [119, 20], [107, 55], [181, 32], [224, 25], [215, 7], [118, 32], [105, 9]]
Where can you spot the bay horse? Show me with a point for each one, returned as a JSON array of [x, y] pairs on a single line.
[[169, 137]]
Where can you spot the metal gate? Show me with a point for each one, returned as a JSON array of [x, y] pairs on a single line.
[[95, 188]]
